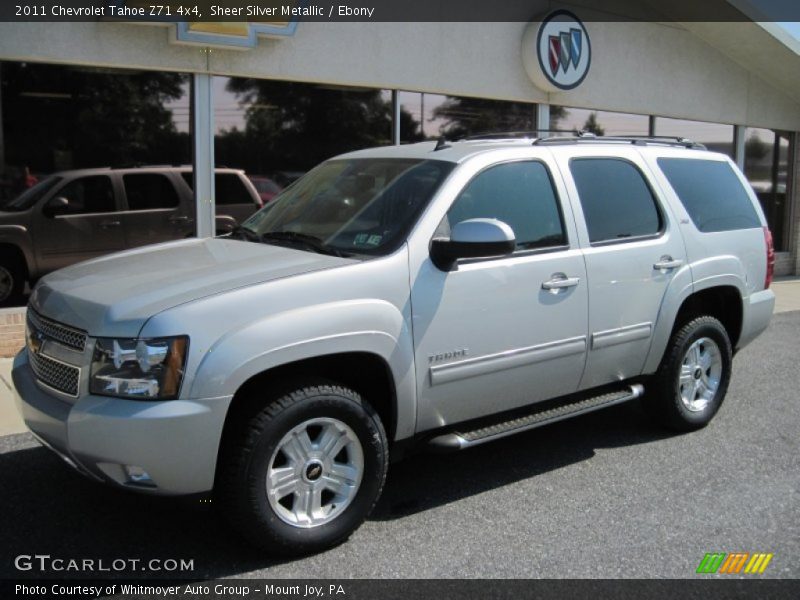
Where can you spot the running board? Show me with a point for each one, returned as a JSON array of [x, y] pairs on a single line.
[[460, 439]]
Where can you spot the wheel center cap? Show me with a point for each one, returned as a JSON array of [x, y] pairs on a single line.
[[698, 373], [313, 470]]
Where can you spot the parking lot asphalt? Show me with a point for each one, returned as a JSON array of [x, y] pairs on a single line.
[[604, 495]]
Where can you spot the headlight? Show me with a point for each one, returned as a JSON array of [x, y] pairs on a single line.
[[144, 369]]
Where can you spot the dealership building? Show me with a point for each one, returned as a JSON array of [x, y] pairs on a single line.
[[274, 98]]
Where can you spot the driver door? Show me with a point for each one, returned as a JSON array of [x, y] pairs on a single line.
[[488, 335]]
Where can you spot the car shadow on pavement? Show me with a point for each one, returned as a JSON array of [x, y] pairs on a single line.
[[425, 481], [46, 508]]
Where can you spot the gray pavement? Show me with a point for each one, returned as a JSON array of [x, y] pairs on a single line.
[[604, 495]]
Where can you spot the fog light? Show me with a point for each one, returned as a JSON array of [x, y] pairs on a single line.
[[138, 476]]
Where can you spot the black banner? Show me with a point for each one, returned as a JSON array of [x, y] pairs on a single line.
[[280, 11], [369, 589]]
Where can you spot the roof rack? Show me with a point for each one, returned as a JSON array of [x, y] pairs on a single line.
[[637, 140]]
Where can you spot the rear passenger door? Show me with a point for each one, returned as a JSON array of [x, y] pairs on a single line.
[[155, 211], [633, 250]]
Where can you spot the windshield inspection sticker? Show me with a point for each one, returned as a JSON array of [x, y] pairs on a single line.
[[365, 239]]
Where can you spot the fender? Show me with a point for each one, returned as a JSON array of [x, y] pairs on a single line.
[[716, 272], [371, 326]]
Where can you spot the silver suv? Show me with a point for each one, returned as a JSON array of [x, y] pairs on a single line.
[[72, 216], [437, 294]]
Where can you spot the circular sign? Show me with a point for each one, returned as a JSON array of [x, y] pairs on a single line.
[[557, 52]]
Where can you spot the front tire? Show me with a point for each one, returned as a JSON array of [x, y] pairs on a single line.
[[692, 380], [303, 473], [12, 281]]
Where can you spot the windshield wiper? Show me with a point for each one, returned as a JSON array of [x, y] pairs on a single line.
[[302, 239], [245, 233]]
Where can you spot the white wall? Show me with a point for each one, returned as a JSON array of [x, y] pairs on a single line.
[[646, 68]]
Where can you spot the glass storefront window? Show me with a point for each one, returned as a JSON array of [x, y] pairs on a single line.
[[456, 117], [714, 136], [767, 160], [567, 121], [277, 130], [90, 162]]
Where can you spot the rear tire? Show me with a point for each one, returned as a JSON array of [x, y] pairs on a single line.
[[12, 281], [303, 473], [692, 380]]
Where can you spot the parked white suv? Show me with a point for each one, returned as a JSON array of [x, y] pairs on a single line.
[[436, 294]]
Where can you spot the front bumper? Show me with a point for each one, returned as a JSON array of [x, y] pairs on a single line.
[[175, 441]]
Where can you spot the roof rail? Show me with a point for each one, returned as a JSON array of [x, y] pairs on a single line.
[[637, 140]]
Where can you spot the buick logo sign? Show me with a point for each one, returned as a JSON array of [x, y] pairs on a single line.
[[557, 52]]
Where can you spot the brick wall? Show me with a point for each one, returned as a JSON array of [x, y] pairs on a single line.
[[12, 331]]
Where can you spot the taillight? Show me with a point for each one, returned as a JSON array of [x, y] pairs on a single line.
[[770, 257]]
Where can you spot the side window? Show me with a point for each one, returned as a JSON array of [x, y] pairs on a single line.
[[146, 191], [617, 202], [711, 193], [93, 194], [521, 195], [230, 189]]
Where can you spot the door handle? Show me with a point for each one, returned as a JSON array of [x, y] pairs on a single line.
[[560, 281], [109, 224], [667, 262]]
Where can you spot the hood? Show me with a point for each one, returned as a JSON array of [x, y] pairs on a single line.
[[116, 294]]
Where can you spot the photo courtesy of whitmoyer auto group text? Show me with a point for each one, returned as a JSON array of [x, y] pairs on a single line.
[[399, 299]]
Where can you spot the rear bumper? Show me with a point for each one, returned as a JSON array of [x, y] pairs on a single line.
[[758, 308], [176, 442]]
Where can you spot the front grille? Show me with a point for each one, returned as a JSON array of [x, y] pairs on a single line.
[[55, 374], [74, 338]]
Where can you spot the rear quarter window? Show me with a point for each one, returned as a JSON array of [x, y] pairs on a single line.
[[711, 193]]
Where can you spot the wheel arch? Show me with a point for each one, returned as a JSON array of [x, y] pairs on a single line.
[[367, 373], [722, 300]]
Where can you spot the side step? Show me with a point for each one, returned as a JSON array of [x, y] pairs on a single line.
[[460, 439]]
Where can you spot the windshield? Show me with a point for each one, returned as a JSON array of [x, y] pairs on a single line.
[[31, 196], [351, 206]]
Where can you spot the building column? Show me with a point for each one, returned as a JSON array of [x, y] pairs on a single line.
[[794, 214], [395, 117], [738, 145], [2, 143], [543, 120], [203, 154], [651, 125]]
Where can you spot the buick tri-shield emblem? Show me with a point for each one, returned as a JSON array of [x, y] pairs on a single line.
[[557, 52], [565, 50]]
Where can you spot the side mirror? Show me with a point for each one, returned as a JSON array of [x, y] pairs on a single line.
[[474, 238], [56, 206]]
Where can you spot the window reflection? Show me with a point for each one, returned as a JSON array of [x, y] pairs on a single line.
[[767, 156], [568, 121], [426, 116], [277, 130], [714, 136], [89, 162]]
